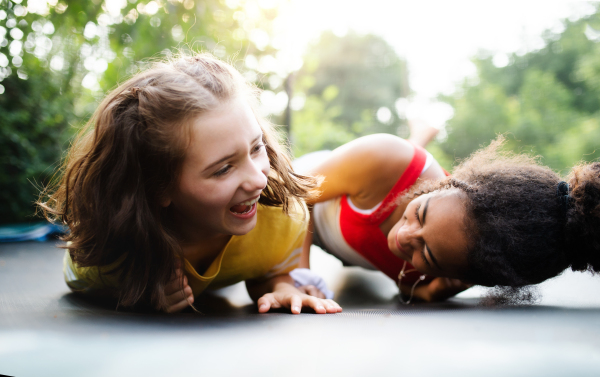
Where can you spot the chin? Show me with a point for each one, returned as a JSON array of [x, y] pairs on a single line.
[[243, 229], [392, 247], [399, 255]]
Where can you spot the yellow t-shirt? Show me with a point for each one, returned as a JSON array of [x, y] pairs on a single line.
[[272, 248]]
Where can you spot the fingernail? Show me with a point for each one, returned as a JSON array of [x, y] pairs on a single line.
[[320, 307], [263, 306], [296, 309]]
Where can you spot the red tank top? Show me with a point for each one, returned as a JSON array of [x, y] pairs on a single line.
[[362, 232]]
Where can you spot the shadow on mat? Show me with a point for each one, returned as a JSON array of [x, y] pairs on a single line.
[[362, 292], [207, 304], [359, 291]]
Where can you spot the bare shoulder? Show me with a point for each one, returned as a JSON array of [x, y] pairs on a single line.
[[367, 167], [378, 156]]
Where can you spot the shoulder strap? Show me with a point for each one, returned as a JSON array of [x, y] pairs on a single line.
[[407, 179]]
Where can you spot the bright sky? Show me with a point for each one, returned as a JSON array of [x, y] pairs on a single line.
[[437, 37]]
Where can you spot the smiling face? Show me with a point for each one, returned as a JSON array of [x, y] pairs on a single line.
[[431, 234], [224, 171]]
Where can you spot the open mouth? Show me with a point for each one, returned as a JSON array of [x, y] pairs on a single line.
[[244, 207]]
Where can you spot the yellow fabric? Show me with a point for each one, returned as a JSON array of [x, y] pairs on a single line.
[[89, 279], [272, 248]]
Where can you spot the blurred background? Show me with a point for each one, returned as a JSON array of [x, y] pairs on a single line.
[[331, 71]]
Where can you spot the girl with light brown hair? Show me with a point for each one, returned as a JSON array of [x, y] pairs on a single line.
[[176, 186]]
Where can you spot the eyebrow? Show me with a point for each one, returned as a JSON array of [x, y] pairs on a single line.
[[427, 247], [225, 158]]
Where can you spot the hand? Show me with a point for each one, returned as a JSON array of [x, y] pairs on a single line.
[[438, 289], [178, 293], [311, 290], [421, 133], [425, 118], [310, 283], [287, 296]]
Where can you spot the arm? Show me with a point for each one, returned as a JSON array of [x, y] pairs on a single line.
[[279, 292], [305, 255], [365, 169], [425, 119], [421, 132]]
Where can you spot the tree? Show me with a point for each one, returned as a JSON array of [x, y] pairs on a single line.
[[358, 79], [547, 100], [59, 58]]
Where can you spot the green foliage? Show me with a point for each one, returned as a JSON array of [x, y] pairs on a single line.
[[547, 101], [318, 131], [59, 58], [33, 115], [352, 77]]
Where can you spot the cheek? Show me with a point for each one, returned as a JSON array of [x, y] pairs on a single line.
[[392, 233], [207, 195], [264, 164]]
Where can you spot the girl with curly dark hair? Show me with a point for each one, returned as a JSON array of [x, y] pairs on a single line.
[[501, 219], [177, 186]]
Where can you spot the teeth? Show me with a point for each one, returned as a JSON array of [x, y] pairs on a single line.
[[249, 202]]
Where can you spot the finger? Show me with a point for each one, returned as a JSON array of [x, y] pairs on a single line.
[[443, 288], [180, 305], [421, 292], [296, 304], [179, 295], [335, 305], [267, 302], [329, 306], [175, 277], [176, 285], [187, 299], [314, 303]]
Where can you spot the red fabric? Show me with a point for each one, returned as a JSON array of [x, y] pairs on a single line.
[[362, 231]]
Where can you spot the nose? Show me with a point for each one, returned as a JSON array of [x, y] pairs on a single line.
[[256, 175], [407, 236]]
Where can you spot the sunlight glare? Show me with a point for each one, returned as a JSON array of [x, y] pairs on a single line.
[[38, 6], [151, 8], [267, 4], [114, 7]]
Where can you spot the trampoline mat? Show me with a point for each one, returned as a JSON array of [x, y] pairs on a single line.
[[46, 330]]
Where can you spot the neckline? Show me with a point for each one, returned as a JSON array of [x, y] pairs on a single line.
[[368, 211]]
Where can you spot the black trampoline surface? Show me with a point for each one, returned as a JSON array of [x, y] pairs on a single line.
[[47, 331]]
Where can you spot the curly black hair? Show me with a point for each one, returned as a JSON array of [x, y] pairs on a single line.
[[519, 232]]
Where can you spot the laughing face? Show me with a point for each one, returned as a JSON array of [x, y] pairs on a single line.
[[431, 234], [224, 171]]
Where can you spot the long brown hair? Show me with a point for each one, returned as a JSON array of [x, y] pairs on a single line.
[[128, 157]]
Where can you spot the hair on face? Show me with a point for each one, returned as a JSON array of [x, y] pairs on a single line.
[[519, 232], [129, 156]]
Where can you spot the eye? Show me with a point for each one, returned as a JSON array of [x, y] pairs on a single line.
[[423, 256], [258, 148], [417, 213], [222, 171]]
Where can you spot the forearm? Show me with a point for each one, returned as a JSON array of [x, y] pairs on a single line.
[[421, 132], [305, 255]]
